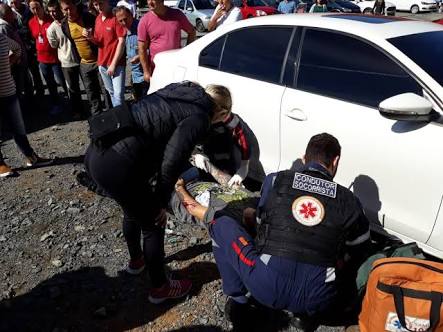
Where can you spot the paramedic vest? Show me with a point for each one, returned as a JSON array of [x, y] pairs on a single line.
[[305, 217]]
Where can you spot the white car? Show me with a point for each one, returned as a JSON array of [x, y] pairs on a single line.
[[415, 6], [366, 6], [170, 3], [294, 76], [198, 12]]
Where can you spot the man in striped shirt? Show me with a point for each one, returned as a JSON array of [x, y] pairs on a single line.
[[10, 112]]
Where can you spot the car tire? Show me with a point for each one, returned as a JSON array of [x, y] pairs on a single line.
[[367, 11], [200, 26], [415, 9]]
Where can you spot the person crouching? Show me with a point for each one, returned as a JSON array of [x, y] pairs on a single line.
[[155, 136]]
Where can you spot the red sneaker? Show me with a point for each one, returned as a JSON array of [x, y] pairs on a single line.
[[136, 266], [173, 289]]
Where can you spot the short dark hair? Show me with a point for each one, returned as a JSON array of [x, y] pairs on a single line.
[[53, 3], [323, 148]]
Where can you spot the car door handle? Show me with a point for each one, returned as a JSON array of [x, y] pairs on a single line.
[[296, 114]]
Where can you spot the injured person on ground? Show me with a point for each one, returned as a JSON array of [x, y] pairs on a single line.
[[198, 202]]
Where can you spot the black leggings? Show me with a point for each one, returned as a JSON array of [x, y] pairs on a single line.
[[127, 182]]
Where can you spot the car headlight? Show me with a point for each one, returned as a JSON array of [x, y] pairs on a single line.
[[260, 13], [207, 17]]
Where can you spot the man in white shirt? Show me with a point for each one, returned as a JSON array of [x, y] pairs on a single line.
[[225, 13], [70, 62]]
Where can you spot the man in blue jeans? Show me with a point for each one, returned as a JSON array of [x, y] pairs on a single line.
[[306, 225], [47, 56], [109, 36], [124, 17], [10, 114]]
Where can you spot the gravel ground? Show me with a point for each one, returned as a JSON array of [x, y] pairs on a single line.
[[62, 251]]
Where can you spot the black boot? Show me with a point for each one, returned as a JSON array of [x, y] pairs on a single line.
[[304, 323], [239, 314]]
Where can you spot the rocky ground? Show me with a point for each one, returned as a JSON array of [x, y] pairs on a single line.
[[62, 252]]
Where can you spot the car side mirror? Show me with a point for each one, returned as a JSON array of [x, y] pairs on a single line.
[[407, 107], [189, 9]]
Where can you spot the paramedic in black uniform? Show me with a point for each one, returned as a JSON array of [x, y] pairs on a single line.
[[308, 228]]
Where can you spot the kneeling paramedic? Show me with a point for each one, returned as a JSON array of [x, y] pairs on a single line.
[[154, 136], [232, 147], [306, 224]]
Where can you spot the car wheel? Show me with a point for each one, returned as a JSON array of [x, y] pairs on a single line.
[[250, 16], [200, 26], [415, 9], [367, 11]]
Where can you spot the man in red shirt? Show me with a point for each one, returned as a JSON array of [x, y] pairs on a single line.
[[160, 30], [109, 36], [46, 55], [23, 15]]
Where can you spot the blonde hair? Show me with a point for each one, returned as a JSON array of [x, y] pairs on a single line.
[[221, 96]]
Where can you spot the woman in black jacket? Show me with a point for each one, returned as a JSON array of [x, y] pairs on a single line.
[[168, 124], [379, 7]]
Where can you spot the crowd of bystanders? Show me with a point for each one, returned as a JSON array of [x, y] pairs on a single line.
[[63, 45]]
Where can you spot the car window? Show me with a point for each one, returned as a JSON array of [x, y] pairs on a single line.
[[203, 4], [343, 67], [424, 49], [255, 3], [270, 3], [256, 52], [210, 55], [181, 4], [189, 5]]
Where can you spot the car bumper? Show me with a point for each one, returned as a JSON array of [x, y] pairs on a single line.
[[428, 8]]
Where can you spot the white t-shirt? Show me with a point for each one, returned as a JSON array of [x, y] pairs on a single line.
[[232, 16]]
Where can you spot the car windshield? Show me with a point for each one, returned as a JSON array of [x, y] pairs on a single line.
[[425, 49], [203, 4], [344, 3], [271, 3], [332, 4], [254, 3]]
